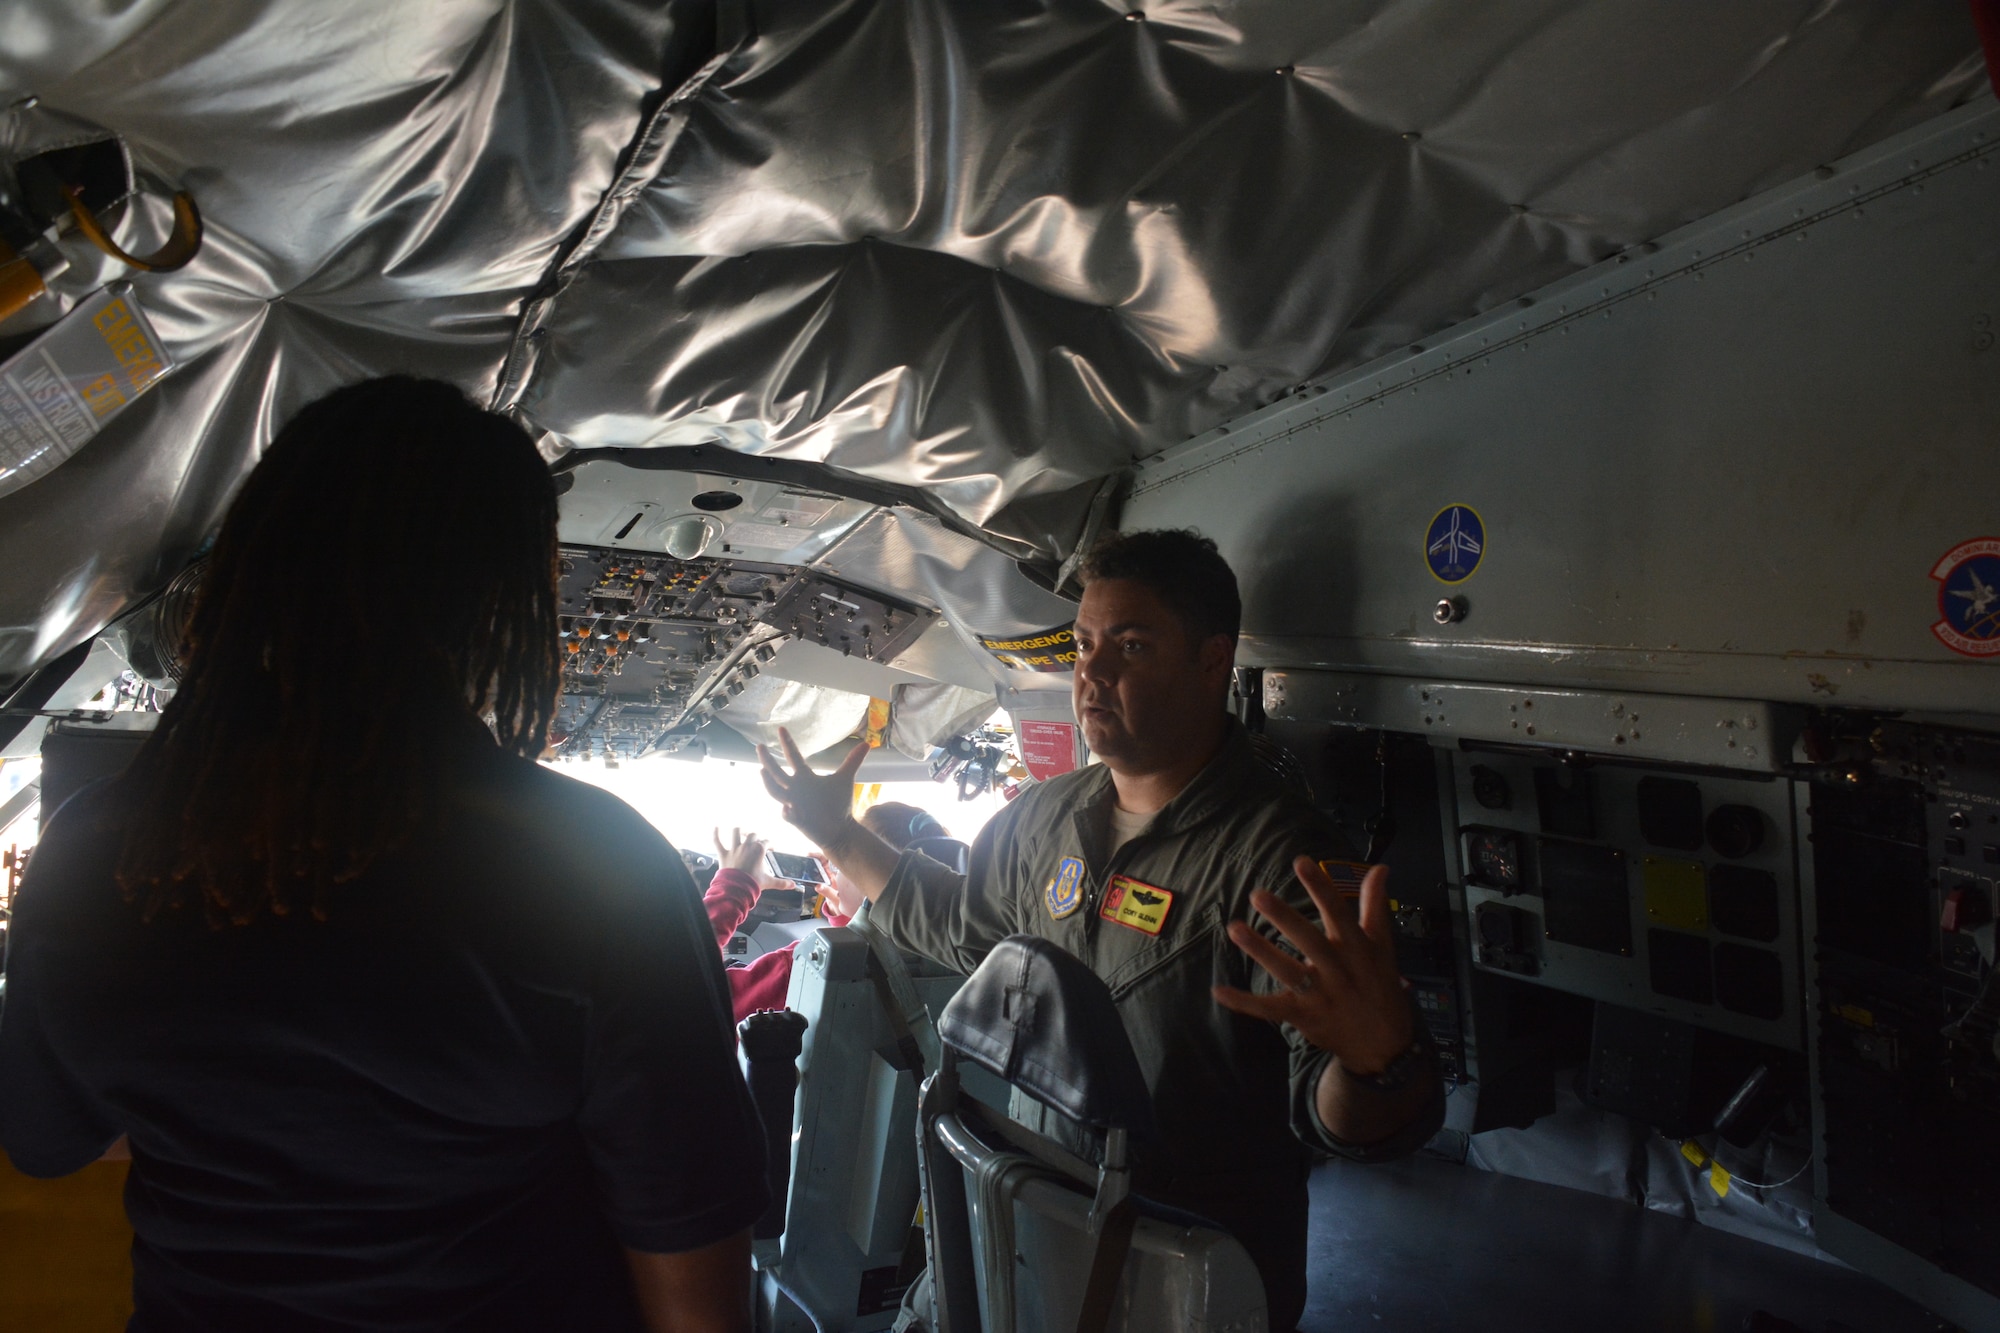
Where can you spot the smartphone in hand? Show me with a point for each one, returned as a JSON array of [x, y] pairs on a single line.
[[797, 869]]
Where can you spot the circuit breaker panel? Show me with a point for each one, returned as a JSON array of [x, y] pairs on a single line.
[[1671, 891], [1772, 924], [1905, 827]]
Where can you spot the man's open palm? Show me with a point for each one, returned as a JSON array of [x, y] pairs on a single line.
[[1344, 993], [817, 805]]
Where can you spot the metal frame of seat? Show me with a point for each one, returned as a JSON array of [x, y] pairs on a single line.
[[1010, 1216], [850, 1192]]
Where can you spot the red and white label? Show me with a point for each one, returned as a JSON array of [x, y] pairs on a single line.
[[1048, 748]]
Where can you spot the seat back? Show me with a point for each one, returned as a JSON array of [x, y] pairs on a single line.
[[846, 1248], [949, 852], [1025, 1236], [1044, 1022]]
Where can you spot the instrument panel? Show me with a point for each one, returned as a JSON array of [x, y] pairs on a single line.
[[1907, 854], [653, 645], [1671, 891]]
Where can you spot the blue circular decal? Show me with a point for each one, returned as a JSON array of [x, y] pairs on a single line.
[[1455, 543]]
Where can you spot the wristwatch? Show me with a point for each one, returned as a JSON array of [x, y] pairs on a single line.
[[1400, 1072]]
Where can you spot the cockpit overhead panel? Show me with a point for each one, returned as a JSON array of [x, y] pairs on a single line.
[[687, 512], [653, 645]]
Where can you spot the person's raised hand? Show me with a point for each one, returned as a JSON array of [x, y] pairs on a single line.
[[818, 805], [743, 851], [1346, 996]]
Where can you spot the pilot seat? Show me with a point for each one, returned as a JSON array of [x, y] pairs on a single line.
[[1023, 1234], [836, 1077]]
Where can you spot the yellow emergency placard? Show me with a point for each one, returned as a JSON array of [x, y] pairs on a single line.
[[60, 390]]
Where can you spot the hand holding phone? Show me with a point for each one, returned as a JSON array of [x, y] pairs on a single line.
[[798, 869]]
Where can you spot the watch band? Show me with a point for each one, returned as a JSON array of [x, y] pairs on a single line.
[[1399, 1073]]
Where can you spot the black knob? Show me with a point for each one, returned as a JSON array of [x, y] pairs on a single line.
[[773, 1034], [1490, 789], [1735, 831]]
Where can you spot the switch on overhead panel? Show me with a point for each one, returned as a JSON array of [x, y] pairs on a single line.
[[1966, 906]]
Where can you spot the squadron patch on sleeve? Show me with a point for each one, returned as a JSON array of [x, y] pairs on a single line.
[[1143, 907], [1065, 891]]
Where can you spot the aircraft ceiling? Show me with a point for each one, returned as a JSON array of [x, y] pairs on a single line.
[[995, 250]]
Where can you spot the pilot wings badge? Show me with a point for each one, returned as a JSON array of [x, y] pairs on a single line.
[[1065, 890], [1143, 907]]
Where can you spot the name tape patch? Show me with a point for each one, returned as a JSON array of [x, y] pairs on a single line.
[[1143, 907], [1065, 890]]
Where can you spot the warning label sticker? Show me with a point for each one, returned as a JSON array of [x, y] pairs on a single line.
[[60, 390], [1045, 650], [1048, 748]]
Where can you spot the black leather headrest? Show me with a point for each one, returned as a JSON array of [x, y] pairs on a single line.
[[1041, 1020], [952, 853]]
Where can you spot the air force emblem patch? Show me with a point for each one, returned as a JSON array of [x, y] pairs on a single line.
[[1065, 891]]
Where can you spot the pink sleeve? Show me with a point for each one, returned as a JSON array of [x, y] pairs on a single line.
[[762, 983], [731, 895]]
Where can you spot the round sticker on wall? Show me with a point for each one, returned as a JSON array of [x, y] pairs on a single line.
[[1455, 543], [1968, 579]]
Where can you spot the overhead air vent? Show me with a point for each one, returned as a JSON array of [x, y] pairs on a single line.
[[688, 535]]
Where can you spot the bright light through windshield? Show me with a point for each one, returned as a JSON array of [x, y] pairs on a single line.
[[20, 826], [686, 801]]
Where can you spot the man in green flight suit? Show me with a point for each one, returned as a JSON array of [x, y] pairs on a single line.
[[1149, 866]]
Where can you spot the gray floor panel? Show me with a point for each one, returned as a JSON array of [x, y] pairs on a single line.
[[1424, 1245]]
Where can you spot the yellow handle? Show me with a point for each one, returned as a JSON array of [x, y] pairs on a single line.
[[20, 283], [182, 244]]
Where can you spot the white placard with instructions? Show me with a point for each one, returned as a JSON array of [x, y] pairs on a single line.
[[60, 390]]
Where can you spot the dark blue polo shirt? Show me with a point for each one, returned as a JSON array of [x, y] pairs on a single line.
[[506, 1053]]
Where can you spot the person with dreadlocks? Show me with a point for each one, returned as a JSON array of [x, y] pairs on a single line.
[[404, 1030]]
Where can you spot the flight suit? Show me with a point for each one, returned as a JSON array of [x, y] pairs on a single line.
[[1235, 1096]]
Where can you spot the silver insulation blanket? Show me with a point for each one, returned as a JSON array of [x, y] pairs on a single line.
[[999, 251], [383, 184]]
